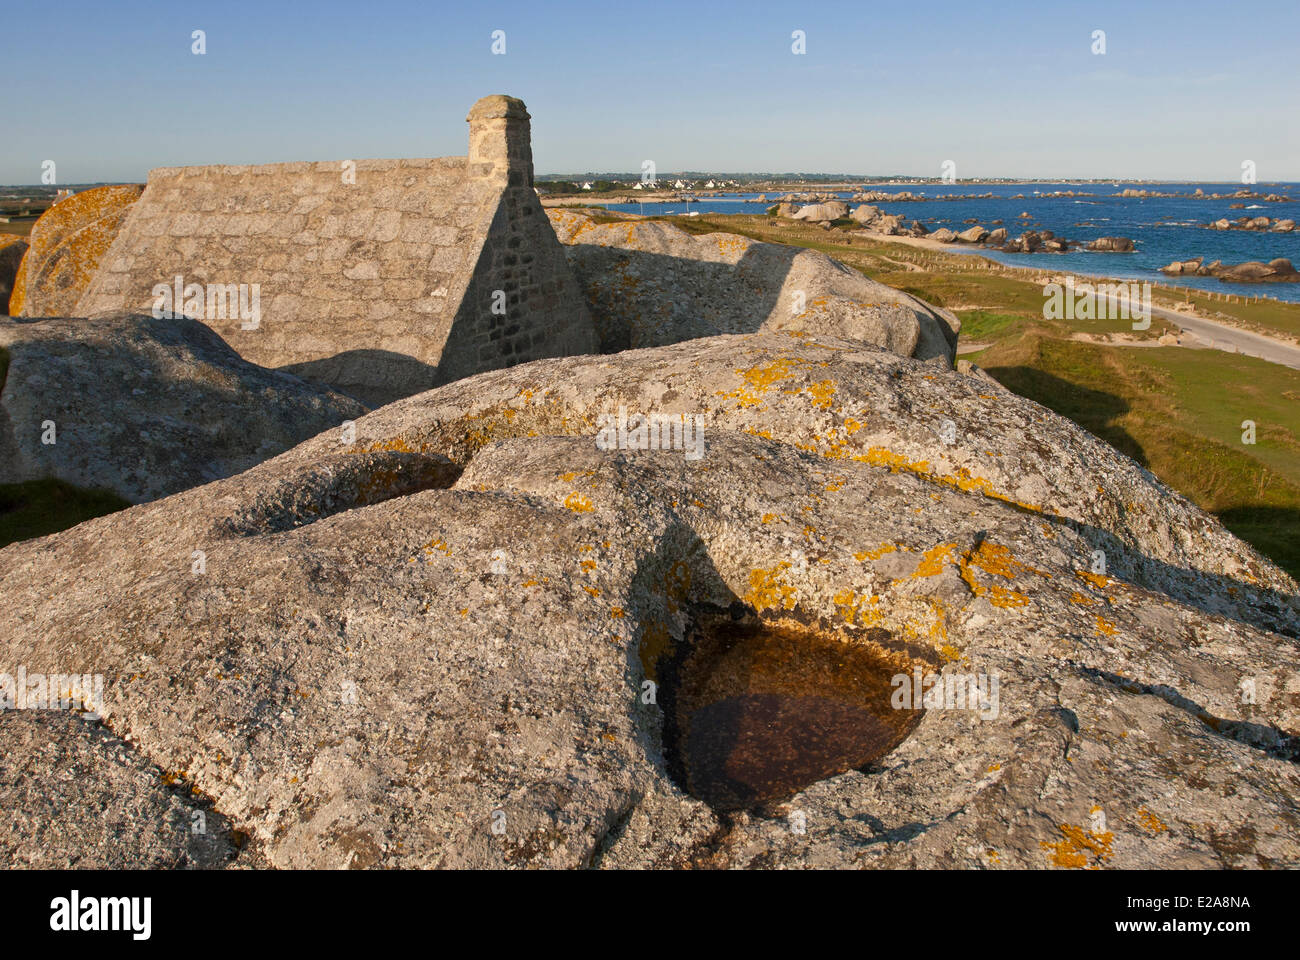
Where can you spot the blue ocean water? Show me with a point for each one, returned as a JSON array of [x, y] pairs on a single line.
[[1162, 228]]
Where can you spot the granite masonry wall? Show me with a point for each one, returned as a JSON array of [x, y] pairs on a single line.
[[381, 278]]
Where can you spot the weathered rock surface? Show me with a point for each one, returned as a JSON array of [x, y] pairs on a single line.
[[11, 257], [386, 684], [1111, 245], [1279, 270], [75, 796], [146, 407], [649, 283], [822, 212], [67, 244]]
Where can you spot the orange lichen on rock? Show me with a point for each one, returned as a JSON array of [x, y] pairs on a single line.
[[67, 244], [767, 590], [1078, 846], [1150, 822]]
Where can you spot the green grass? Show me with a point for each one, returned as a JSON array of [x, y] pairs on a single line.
[[981, 325], [38, 508], [1178, 412]]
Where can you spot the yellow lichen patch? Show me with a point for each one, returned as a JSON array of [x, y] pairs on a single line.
[[771, 517], [1074, 851], [1002, 597], [754, 431], [436, 546], [854, 607], [594, 591], [757, 381], [767, 590], [1080, 599], [730, 243], [834, 485], [1150, 822], [851, 426], [994, 768], [616, 613], [822, 393], [1104, 627], [574, 474], [578, 503], [588, 564], [934, 560], [67, 244], [962, 479], [864, 555], [1098, 580]]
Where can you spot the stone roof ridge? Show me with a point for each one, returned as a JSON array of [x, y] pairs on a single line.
[[309, 166]]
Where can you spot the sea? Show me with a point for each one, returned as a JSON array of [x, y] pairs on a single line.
[[1163, 229]]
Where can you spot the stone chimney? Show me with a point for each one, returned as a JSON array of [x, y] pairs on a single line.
[[500, 141]]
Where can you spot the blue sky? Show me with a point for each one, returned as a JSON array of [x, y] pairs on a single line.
[[1185, 90]]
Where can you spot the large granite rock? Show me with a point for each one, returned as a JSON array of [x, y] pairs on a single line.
[[145, 407], [429, 644], [11, 258], [649, 283], [67, 244], [822, 212]]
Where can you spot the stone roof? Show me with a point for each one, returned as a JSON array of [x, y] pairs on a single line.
[[379, 277]]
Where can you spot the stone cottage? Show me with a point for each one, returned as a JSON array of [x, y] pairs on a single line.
[[381, 278]]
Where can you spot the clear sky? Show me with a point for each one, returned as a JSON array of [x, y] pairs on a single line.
[[1186, 90]]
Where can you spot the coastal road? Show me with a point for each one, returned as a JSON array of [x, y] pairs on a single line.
[[1221, 336]]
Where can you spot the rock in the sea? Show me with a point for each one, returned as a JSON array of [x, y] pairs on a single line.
[[145, 407], [1279, 270], [11, 257], [943, 235], [1283, 226], [1111, 245], [822, 212], [974, 235], [997, 236], [546, 653], [865, 213], [67, 244], [649, 283]]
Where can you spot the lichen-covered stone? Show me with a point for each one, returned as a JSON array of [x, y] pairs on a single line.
[[438, 656], [145, 407], [649, 283], [68, 243], [11, 257]]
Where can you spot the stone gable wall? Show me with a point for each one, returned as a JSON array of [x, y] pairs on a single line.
[[365, 286]]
